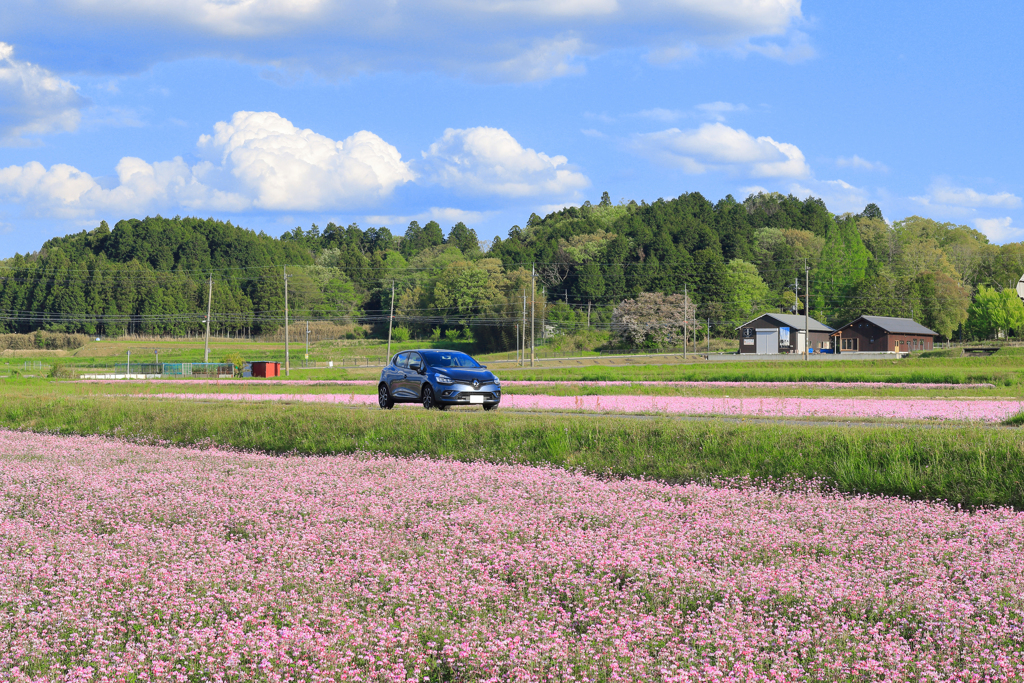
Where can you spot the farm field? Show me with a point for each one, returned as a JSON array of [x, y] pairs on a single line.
[[853, 408], [132, 562], [962, 462], [582, 388]]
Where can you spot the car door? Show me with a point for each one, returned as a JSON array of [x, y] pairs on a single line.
[[414, 380], [398, 387]]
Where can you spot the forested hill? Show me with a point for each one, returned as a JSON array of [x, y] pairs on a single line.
[[734, 259]]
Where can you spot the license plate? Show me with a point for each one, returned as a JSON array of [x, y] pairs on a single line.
[[476, 398]]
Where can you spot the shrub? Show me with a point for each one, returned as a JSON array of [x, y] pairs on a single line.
[[236, 359], [400, 334], [451, 335]]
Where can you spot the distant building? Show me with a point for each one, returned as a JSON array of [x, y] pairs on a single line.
[[878, 333], [774, 333]]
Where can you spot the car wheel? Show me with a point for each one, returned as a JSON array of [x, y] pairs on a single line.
[[428, 397], [384, 399], [492, 406]]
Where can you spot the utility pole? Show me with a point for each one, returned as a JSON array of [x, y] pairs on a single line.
[[589, 301], [307, 340], [709, 337], [287, 355], [209, 300], [522, 361], [686, 302], [543, 310], [517, 343], [391, 321], [807, 309], [533, 315]]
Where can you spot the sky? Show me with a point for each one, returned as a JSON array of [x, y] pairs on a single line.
[[281, 113]]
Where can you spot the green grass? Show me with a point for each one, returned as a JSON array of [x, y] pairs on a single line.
[[973, 466]]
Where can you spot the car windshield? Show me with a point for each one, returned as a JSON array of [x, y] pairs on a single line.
[[449, 359]]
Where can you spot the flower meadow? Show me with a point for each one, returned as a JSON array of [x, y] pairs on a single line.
[[785, 407], [147, 563], [585, 383]]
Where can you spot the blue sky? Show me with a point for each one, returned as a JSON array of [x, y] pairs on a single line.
[[277, 113]]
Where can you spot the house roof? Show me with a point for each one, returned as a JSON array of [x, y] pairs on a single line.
[[894, 325], [794, 321]]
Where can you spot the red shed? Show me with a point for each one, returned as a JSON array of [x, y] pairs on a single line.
[[266, 368]]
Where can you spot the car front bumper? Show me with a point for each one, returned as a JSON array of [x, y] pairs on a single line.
[[461, 395]]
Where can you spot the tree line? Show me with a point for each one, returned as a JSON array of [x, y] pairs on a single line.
[[733, 260]]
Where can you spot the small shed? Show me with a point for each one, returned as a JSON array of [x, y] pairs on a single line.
[[265, 368], [774, 333], [879, 333]]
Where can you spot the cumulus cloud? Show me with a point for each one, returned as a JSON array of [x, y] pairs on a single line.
[[517, 40], [259, 161], [999, 230], [716, 146], [33, 101], [486, 160], [859, 163], [63, 191], [283, 167]]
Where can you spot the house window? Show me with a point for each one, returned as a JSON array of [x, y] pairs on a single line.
[[849, 344]]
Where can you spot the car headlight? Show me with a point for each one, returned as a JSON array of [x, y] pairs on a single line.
[[443, 379], [497, 382]]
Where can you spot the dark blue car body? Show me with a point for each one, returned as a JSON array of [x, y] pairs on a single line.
[[437, 378]]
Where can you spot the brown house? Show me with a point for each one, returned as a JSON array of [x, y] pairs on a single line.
[[878, 333], [774, 333]]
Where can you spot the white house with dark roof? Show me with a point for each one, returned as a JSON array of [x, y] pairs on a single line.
[[774, 333]]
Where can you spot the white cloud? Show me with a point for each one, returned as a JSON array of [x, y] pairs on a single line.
[[261, 161], [63, 191], [718, 110], [715, 146], [283, 167], [593, 133], [486, 160], [543, 61], [839, 195], [999, 230], [661, 114], [859, 163], [492, 39], [799, 49], [715, 111], [33, 101], [965, 196], [444, 216]]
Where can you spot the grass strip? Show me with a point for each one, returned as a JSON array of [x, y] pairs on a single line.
[[970, 466]]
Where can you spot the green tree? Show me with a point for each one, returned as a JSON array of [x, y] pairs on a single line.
[[944, 302], [844, 263], [746, 293], [993, 312]]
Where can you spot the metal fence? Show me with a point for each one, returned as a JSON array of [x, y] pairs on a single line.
[[196, 369]]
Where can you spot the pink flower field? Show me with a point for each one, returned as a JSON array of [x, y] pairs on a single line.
[[586, 383], [991, 410], [121, 562]]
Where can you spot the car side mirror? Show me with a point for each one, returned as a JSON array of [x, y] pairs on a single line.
[[415, 367]]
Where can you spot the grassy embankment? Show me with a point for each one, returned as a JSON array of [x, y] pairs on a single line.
[[966, 465]]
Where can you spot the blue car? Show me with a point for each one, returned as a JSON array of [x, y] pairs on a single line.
[[437, 379]]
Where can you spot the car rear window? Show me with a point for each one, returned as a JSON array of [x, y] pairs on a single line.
[[450, 359], [402, 359]]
